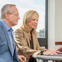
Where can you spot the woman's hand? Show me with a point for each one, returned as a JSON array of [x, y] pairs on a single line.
[[50, 52], [22, 58]]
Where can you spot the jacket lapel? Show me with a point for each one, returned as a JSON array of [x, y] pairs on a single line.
[[8, 41], [28, 42], [7, 38]]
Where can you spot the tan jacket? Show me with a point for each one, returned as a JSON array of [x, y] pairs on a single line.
[[23, 43]]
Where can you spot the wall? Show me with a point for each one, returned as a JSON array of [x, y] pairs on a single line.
[[58, 21], [54, 23], [51, 24]]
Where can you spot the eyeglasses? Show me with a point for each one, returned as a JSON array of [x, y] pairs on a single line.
[[16, 14], [13, 14]]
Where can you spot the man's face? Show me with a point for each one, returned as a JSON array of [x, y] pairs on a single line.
[[13, 17]]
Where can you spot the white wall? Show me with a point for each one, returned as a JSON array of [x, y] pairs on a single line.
[[58, 20], [54, 23], [51, 24]]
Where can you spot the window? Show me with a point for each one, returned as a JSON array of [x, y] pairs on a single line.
[[41, 6]]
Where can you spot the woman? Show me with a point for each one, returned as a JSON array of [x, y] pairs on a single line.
[[26, 36]]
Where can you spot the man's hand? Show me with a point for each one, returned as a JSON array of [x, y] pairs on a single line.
[[22, 58]]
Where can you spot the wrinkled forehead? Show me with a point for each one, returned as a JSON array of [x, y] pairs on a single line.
[[14, 9]]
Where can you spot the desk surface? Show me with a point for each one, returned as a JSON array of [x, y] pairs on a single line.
[[48, 57]]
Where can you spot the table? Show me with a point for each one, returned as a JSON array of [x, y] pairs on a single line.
[[45, 58]]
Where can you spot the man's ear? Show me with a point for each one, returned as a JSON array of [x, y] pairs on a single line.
[[6, 16]]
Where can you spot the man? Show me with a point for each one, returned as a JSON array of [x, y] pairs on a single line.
[[10, 17]]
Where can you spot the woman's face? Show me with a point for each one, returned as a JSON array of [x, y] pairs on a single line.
[[33, 22]]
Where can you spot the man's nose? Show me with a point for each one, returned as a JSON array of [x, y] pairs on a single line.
[[18, 17]]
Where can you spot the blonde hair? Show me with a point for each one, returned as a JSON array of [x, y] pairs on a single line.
[[27, 17], [6, 9]]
